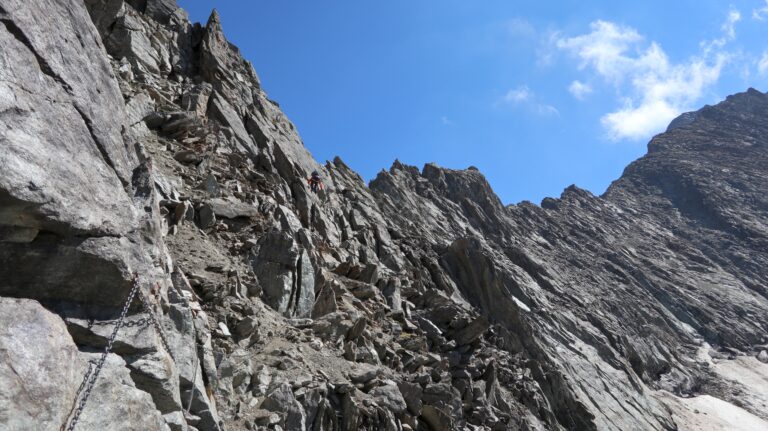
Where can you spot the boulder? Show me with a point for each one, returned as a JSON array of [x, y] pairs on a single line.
[[281, 399], [206, 216], [285, 273], [436, 418], [411, 393], [472, 331], [389, 397], [187, 157], [231, 209], [363, 374], [325, 302]]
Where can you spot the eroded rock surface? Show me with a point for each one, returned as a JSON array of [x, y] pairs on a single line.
[[137, 143]]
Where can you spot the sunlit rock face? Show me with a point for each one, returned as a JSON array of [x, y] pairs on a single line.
[[137, 147]]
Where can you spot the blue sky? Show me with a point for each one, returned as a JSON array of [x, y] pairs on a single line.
[[537, 94]]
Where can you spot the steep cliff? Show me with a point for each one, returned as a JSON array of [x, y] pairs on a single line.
[[141, 156]]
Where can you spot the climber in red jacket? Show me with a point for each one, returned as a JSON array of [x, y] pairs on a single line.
[[314, 182]]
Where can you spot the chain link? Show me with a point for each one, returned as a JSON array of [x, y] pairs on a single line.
[[87, 376], [90, 377], [129, 324]]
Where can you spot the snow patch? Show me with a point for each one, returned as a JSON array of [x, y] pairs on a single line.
[[520, 304], [707, 413]]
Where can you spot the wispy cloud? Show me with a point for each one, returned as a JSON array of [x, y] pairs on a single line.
[[445, 121], [728, 33], [579, 89], [760, 13], [762, 64], [729, 27], [518, 95], [523, 95], [652, 89], [546, 110]]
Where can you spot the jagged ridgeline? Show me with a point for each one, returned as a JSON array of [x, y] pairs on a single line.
[[164, 265]]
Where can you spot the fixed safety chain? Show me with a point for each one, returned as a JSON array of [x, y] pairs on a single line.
[[140, 322], [91, 377], [94, 368]]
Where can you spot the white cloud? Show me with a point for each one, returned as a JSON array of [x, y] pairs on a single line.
[[546, 110], [524, 96], [603, 48], [579, 89], [760, 14], [639, 121], [762, 64], [653, 89], [445, 121], [729, 32], [518, 95], [729, 27]]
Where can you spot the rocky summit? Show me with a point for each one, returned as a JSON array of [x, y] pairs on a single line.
[[164, 265]]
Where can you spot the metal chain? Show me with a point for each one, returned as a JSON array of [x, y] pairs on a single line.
[[90, 378], [87, 376], [92, 374], [131, 323]]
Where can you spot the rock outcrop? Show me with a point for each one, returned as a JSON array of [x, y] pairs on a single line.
[[139, 149]]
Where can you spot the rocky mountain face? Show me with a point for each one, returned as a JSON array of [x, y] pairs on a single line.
[[140, 156]]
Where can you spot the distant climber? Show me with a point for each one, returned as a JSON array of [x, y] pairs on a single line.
[[314, 182]]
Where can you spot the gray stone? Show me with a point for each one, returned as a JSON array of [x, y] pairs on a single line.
[[325, 302], [211, 186], [161, 10], [175, 421], [364, 373], [332, 326], [154, 374], [196, 99], [246, 327], [305, 289], [472, 331], [223, 329], [266, 418], [389, 397], [286, 274], [288, 220], [78, 131], [179, 125], [357, 329], [130, 37], [281, 399], [391, 292], [369, 274], [187, 157], [131, 408], [206, 216], [411, 393], [437, 418], [232, 209]]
